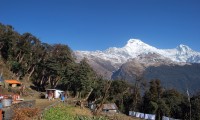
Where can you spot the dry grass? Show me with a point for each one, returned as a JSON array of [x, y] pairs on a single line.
[[82, 112], [122, 117], [25, 113], [43, 103]]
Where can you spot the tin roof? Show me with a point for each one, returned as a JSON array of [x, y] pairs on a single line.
[[12, 81], [111, 106], [54, 89]]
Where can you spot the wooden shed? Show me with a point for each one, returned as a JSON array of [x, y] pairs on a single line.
[[110, 108]]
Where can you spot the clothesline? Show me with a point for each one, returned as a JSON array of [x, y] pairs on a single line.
[[148, 116], [168, 118], [142, 115]]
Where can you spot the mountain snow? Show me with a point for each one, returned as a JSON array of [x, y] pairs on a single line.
[[135, 47]]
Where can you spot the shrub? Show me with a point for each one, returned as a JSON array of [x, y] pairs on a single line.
[[25, 113]]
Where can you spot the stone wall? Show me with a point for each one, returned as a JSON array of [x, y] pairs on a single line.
[[8, 112]]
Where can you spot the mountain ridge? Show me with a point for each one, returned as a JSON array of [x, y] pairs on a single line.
[[175, 67], [135, 47]]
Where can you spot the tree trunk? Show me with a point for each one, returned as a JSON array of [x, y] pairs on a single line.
[[28, 68], [30, 74], [55, 82], [1, 72], [135, 97], [18, 55], [98, 109], [40, 82], [21, 58], [88, 95], [1, 46], [76, 94]]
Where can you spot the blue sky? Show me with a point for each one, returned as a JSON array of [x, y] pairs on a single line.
[[99, 24]]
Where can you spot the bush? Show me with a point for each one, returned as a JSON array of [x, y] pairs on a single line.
[[67, 113], [25, 113]]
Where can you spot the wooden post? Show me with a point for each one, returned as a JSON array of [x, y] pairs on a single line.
[[1, 115], [189, 103]]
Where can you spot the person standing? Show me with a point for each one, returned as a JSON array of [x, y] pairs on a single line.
[[62, 97], [50, 95]]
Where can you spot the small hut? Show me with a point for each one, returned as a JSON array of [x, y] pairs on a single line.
[[56, 92], [110, 108], [12, 83]]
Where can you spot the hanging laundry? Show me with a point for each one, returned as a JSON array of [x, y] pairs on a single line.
[[142, 115], [137, 114]]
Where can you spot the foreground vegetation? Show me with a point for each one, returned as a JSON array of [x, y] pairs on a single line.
[[63, 112], [54, 66], [69, 112]]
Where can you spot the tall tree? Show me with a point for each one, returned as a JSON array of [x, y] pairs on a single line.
[[153, 101], [83, 79], [195, 101], [117, 92], [174, 101]]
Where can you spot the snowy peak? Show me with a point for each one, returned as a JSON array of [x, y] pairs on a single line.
[[133, 42], [136, 44], [135, 47], [183, 48]]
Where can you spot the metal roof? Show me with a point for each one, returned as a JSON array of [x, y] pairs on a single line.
[[55, 89], [13, 81], [111, 106]]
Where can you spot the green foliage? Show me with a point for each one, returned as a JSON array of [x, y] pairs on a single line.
[[195, 103], [117, 93], [80, 78], [152, 107], [57, 113], [174, 100], [153, 101], [98, 89], [66, 113], [170, 102], [15, 66], [25, 55]]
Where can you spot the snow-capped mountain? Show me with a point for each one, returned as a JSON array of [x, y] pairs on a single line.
[[135, 47], [176, 68]]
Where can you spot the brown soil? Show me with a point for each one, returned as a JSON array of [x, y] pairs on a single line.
[[43, 103]]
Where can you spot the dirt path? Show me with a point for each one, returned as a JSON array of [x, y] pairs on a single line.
[[44, 103]]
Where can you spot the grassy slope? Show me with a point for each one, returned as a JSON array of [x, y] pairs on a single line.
[[69, 112]]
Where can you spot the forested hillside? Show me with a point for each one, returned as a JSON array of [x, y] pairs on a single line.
[[53, 66], [45, 65]]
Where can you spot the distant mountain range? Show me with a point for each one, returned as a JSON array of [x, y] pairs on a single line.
[[176, 68]]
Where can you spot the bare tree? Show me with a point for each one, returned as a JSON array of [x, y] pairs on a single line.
[[99, 107]]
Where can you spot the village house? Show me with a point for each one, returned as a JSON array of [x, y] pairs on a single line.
[[56, 93], [110, 108], [12, 83]]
